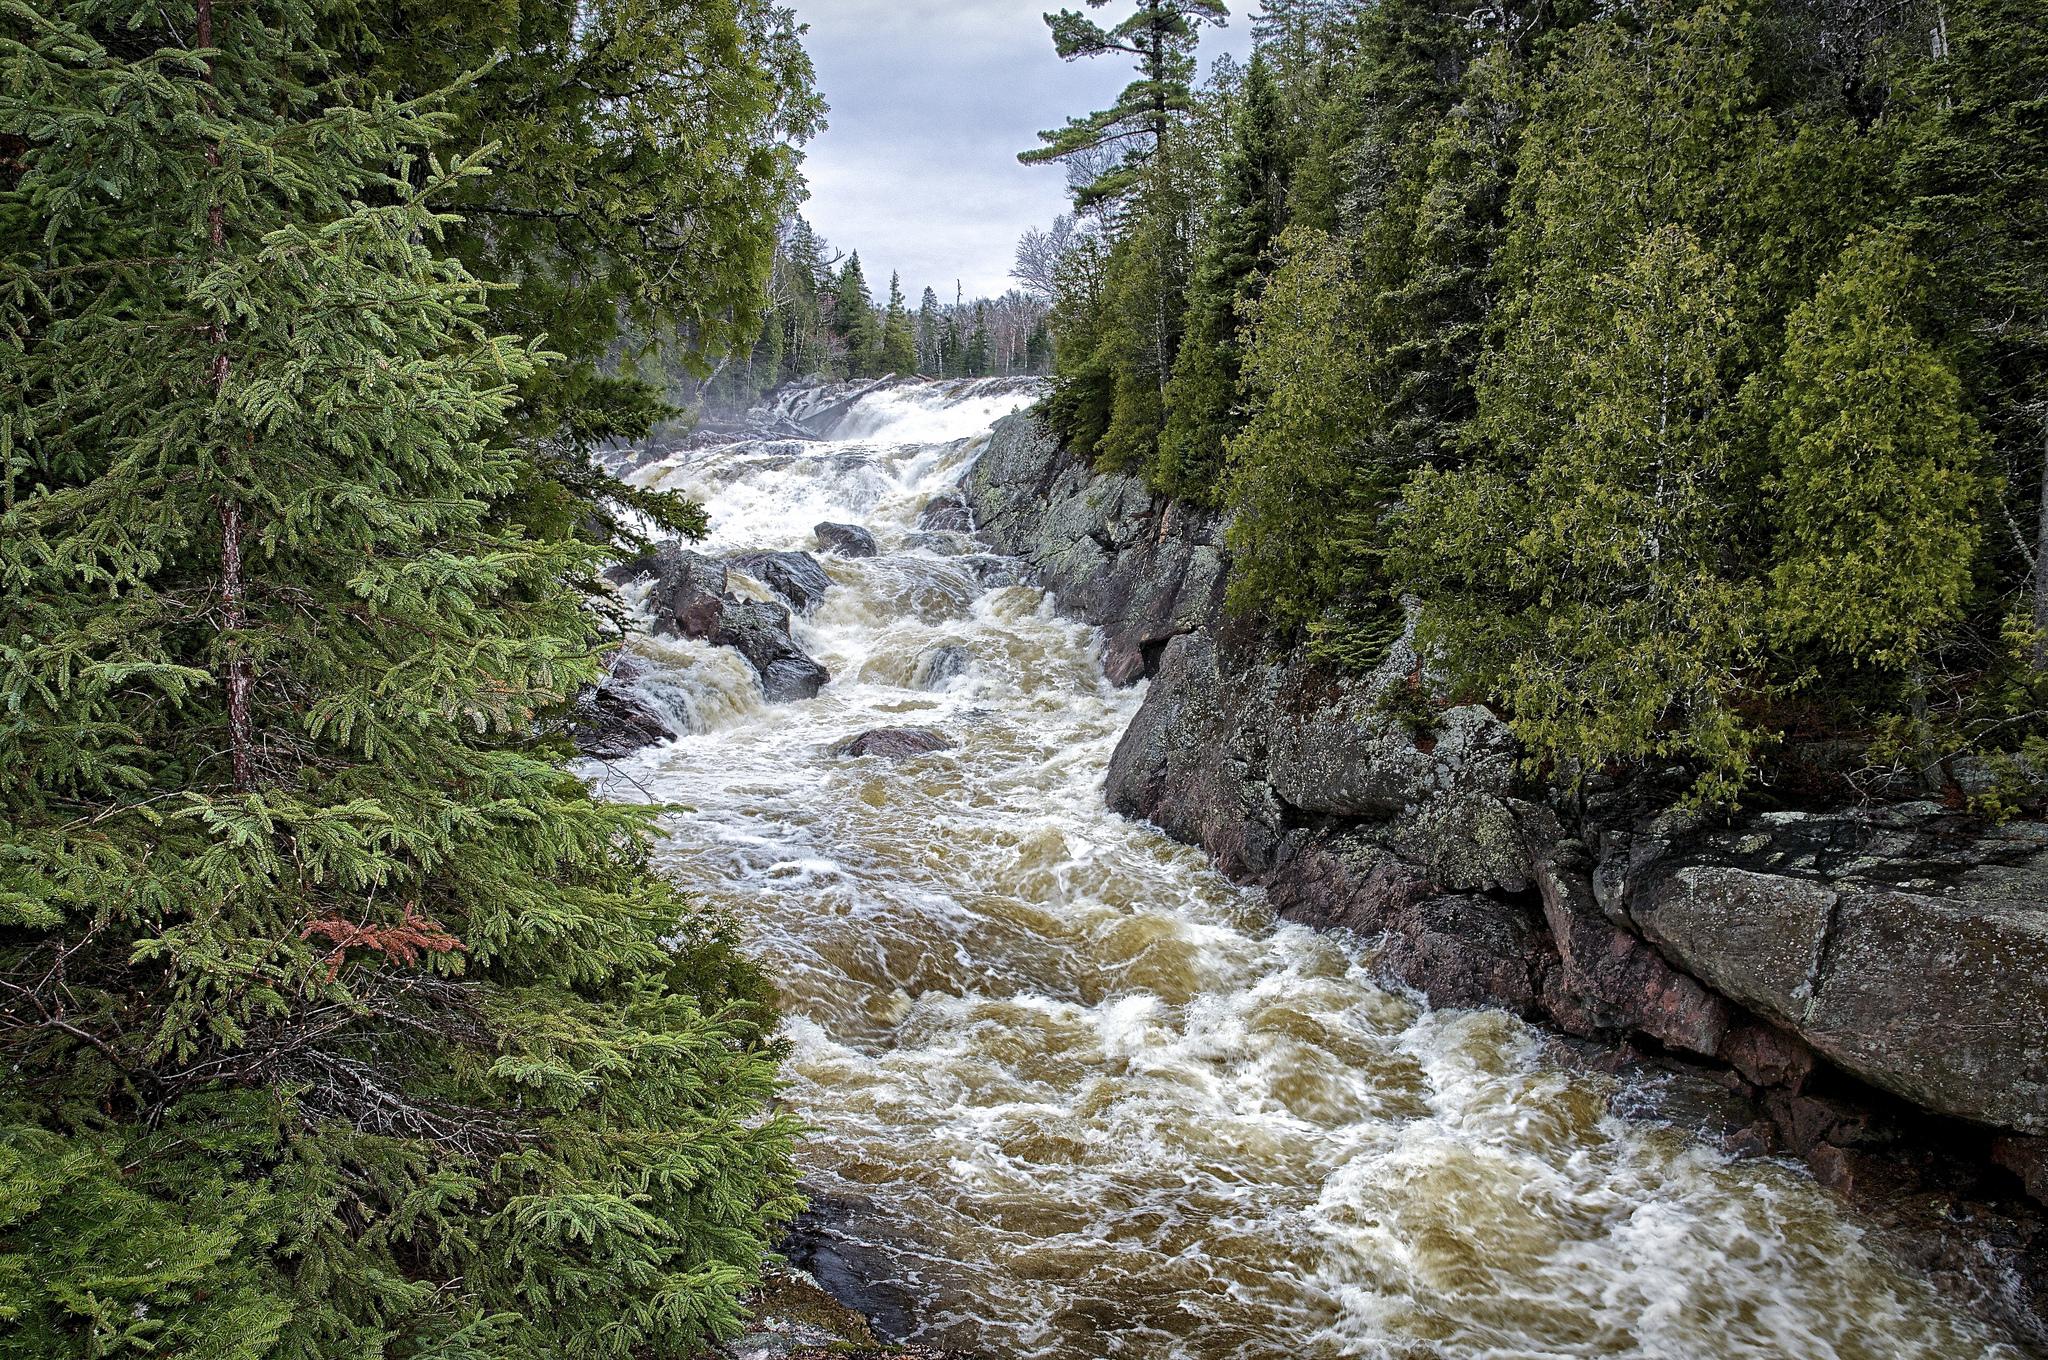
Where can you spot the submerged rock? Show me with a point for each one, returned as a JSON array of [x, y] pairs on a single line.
[[894, 743], [936, 665], [947, 512], [795, 576], [847, 540], [942, 542]]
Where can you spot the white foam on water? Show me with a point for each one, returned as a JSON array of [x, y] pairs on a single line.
[[1089, 1098]]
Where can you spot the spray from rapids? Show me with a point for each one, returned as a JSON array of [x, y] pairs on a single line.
[[1080, 1096]]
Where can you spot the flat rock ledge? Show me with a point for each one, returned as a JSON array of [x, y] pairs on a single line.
[[1869, 986]]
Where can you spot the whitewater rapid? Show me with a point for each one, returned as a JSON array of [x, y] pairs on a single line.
[[1081, 1097]]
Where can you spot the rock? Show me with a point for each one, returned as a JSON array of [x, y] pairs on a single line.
[[1906, 945], [1144, 570], [936, 665], [611, 721], [1464, 951], [795, 576], [687, 598], [759, 631], [894, 743], [2026, 1158], [948, 512], [847, 540], [941, 542]]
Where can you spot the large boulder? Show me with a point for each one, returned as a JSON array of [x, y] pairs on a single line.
[[759, 631], [688, 590], [894, 743], [1907, 944], [795, 576], [846, 540]]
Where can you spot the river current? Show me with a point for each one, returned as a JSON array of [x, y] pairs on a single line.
[[1082, 1097]]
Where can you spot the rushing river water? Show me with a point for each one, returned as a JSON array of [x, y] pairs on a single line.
[[1085, 1097]]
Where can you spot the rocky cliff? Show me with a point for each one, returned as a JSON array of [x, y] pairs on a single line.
[[1872, 982]]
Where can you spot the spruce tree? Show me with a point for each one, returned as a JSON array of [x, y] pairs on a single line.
[[853, 321], [899, 337], [338, 1019]]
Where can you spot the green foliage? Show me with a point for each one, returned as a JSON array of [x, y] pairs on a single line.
[[337, 1018], [899, 341], [1587, 569], [854, 324], [1876, 492], [1201, 398]]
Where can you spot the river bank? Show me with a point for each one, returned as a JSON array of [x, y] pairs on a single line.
[[1865, 989]]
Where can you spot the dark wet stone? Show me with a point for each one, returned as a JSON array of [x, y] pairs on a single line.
[[795, 576], [847, 540], [947, 511], [687, 598], [894, 743]]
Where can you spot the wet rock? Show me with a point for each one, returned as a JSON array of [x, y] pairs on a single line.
[[947, 512], [759, 631], [942, 542], [687, 597], [936, 665], [894, 743], [2026, 1158], [847, 540], [1906, 945], [1464, 950], [611, 721], [795, 576]]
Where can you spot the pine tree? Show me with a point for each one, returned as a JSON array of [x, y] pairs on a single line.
[[1160, 38], [931, 336], [899, 338], [975, 363], [338, 1019]]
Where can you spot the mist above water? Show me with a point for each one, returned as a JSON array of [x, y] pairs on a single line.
[[1081, 1096]]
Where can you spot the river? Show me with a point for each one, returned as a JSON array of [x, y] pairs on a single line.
[[1081, 1096]]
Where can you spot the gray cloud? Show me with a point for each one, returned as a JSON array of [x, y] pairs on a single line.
[[931, 102]]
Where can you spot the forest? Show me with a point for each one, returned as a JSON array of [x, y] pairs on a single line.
[[823, 324], [1678, 365]]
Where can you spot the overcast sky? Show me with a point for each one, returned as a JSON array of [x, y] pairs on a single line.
[[931, 102]]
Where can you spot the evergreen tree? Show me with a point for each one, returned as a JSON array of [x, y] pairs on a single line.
[[976, 361], [931, 336], [1877, 491], [1160, 37], [646, 153], [899, 339], [1201, 399], [339, 1018], [1590, 571], [853, 321]]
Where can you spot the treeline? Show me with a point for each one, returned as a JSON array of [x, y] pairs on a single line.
[[336, 1017], [1682, 362], [824, 322]]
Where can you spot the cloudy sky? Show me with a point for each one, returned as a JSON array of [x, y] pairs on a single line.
[[931, 102]]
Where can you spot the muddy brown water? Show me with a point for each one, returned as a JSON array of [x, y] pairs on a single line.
[[1077, 1096]]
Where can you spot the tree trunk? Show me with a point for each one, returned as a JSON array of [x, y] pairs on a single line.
[[2041, 563], [240, 680]]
